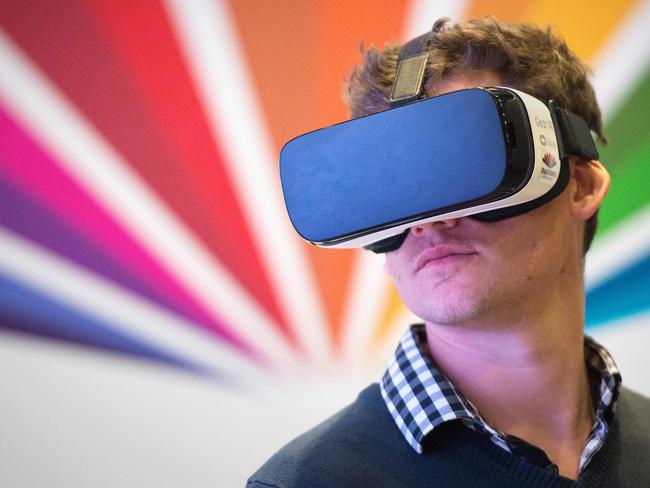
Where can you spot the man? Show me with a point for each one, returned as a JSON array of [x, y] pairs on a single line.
[[499, 386]]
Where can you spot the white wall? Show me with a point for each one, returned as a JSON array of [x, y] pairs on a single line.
[[74, 417]]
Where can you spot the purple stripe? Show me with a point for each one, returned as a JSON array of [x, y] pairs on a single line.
[[24, 216]]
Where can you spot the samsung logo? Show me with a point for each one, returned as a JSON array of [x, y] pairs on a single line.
[[382, 124]]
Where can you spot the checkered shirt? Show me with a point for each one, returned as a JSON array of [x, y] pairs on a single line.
[[420, 397]]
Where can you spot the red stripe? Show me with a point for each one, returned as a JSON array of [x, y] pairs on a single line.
[[119, 64]]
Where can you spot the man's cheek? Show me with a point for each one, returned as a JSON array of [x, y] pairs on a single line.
[[395, 264]]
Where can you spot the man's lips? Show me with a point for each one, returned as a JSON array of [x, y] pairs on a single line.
[[440, 252]]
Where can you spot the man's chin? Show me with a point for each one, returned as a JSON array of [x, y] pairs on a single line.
[[450, 312]]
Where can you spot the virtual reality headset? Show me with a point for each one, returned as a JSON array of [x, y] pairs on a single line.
[[490, 153]]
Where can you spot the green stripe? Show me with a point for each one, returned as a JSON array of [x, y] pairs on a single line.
[[627, 157], [630, 189], [628, 126]]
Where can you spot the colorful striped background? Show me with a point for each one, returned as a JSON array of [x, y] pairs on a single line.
[[140, 208]]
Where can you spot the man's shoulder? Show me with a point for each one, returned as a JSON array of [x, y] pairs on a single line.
[[633, 398], [634, 414], [335, 450], [624, 455]]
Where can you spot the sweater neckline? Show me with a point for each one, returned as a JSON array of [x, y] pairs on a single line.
[[510, 465]]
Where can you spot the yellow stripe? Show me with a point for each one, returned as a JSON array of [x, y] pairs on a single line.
[[584, 24], [393, 309], [504, 10]]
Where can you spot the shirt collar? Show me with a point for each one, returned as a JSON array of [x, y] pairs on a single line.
[[420, 397], [607, 376]]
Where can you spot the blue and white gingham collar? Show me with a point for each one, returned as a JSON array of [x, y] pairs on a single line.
[[602, 364], [420, 397]]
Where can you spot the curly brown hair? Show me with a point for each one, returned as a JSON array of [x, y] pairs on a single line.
[[525, 57]]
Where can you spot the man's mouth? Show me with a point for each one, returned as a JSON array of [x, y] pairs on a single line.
[[442, 254]]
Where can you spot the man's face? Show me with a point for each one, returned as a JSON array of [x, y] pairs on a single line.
[[462, 271]]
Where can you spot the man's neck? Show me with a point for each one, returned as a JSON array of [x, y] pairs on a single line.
[[525, 379]]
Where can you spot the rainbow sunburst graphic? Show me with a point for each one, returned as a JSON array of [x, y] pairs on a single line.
[[140, 210]]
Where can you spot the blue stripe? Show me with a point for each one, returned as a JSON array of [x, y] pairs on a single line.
[[624, 294], [25, 310], [25, 216]]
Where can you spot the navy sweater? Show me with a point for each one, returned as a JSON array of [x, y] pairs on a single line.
[[362, 447]]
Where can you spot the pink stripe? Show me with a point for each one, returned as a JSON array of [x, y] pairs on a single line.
[[37, 174], [82, 51]]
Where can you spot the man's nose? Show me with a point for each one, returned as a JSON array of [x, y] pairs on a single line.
[[432, 226]]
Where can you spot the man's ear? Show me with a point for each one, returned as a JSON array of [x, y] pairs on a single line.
[[591, 184]]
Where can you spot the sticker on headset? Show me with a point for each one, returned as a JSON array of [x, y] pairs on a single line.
[[549, 171], [547, 141]]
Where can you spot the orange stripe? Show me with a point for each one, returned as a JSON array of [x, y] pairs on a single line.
[[299, 53], [278, 41], [341, 32], [342, 28]]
